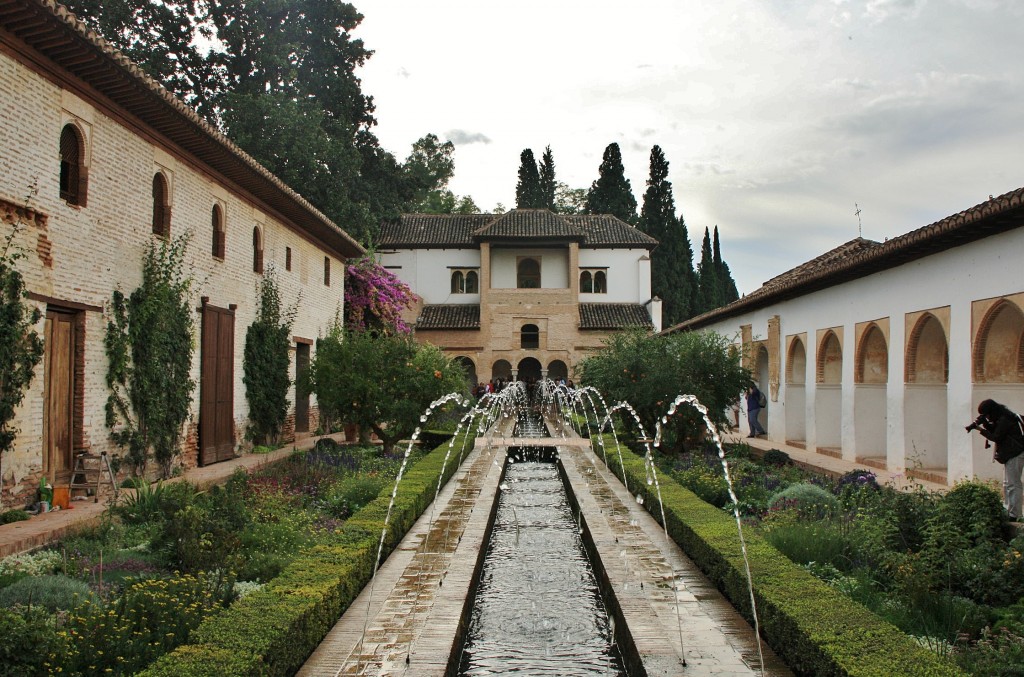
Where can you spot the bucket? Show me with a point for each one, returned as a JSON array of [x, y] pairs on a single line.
[[62, 497]]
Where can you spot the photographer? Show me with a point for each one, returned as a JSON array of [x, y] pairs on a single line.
[[997, 423]]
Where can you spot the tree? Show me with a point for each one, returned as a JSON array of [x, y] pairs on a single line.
[[548, 185], [672, 276], [381, 382], [149, 351], [528, 190], [727, 292], [375, 298], [265, 362], [611, 193], [707, 278], [21, 348], [649, 371], [570, 200]]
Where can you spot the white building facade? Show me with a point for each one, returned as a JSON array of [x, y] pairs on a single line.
[[879, 353]]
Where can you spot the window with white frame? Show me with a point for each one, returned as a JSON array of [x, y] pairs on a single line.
[[465, 281], [593, 281]]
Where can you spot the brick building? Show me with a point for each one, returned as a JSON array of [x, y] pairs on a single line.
[[524, 294], [97, 161], [879, 352]]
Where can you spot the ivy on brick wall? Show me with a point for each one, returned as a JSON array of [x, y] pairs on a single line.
[[149, 345], [265, 363], [21, 347]]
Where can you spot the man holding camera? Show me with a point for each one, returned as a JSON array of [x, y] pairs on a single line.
[[997, 423]]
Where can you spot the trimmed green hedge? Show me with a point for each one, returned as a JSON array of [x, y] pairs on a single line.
[[814, 628], [273, 630]]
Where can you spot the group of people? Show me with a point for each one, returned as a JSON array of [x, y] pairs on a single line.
[[496, 385]]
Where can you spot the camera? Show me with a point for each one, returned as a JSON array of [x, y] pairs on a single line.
[[975, 424]]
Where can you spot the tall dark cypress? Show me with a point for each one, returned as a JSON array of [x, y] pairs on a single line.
[[548, 185], [707, 277], [528, 190], [727, 292], [672, 261], [611, 193]]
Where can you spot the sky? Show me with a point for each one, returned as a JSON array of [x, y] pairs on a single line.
[[779, 118]]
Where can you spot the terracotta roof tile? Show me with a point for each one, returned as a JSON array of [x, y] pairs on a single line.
[[529, 223], [449, 316], [614, 316], [604, 230]]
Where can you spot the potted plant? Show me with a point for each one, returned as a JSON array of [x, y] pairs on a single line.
[[45, 494]]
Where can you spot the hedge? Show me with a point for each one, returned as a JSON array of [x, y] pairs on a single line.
[[814, 628], [273, 631]]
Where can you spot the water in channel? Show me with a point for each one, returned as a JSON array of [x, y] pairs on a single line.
[[537, 609]]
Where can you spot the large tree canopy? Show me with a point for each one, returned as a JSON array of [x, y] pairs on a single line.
[[529, 194], [611, 192]]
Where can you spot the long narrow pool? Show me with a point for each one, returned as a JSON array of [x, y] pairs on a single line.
[[538, 609]]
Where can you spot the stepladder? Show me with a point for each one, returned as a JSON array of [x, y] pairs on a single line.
[[90, 472]]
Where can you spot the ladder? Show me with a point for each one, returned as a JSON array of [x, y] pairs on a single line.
[[88, 477]]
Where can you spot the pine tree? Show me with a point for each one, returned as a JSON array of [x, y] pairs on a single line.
[[672, 261], [528, 190], [611, 193], [548, 185]]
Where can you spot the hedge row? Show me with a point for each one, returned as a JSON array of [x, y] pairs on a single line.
[[272, 631], [814, 628]]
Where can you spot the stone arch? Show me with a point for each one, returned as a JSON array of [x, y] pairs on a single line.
[[467, 364], [161, 206], [458, 282], [872, 365], [257, 250], [557, 369], [501, 369], [586, 282], [830, 359], [529, 337], [998, 353], [472, 282], [529, 368], [219, 234], [796, 362], [528, 273], [74, 175], [600, 282], [927, 352]]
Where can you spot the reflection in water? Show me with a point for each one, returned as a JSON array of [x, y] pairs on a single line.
[[537, 608]]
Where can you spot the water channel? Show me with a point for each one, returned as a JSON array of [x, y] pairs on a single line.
[[538, 609]]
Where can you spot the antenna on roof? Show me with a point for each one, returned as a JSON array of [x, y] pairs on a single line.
[[857, 214]]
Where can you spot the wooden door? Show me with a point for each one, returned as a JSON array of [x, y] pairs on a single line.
[[301, 394], [216, 386], [59, 398]]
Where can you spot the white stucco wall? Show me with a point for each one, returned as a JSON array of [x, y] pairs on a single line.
[[554, 267], [429, 271], [955, 278], [625, 275]]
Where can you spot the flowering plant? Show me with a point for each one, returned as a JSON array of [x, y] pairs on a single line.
[[375, 298]]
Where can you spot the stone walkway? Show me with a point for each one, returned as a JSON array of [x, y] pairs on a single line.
[[408, 624]]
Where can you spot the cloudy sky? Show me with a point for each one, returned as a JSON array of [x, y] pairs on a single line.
[[776, 116]]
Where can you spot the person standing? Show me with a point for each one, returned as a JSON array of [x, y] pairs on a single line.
[[997, 423], [755, 403]]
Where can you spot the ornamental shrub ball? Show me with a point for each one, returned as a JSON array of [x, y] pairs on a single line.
[[808, 499]]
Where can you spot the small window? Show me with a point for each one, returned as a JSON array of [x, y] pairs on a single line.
[[327, 271], [217, 225], [586, 282], [73, 174], [257, 251], [287, 258], [528, 274], [472, 282], [600, 282], [161, 206], [458, 282], [529, 337]]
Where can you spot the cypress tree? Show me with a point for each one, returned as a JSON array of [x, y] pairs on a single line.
[[548, 185], [707, 277], [611, 193], [727, 292], [528, 190], [672, 261]]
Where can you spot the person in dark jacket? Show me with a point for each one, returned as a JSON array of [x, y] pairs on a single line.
[[754, 407], [1003, 427]]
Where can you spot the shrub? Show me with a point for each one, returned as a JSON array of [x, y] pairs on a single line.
[[53, 592], [33, 564], [27, 639], [709, 486], [1000, 653], [352, 493], [964, 530], [809, 500], [9, 516], [807, 542], [776, 457]]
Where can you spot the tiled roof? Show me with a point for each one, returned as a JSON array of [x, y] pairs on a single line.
[[614, 316], [859, 258], [529, 223], [422, 231], [53, 31], [449, 316]]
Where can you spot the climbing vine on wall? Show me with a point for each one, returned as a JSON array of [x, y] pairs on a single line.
[[149, 344], [375, 298], [21, 347], [265, 363]]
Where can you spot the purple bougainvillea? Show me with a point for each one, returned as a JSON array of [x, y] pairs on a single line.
[[375, 298]]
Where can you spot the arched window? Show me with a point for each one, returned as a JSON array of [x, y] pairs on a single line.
[[327, 271], [472, 282], [528, 274], [796, 364], [873, 357], [161, 208], [586, 282], [830, 359], [217, 225], [74, 179], [600, 282], [529, 337], [458, 282], [927, 353], [257, 251], [999, 346]]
